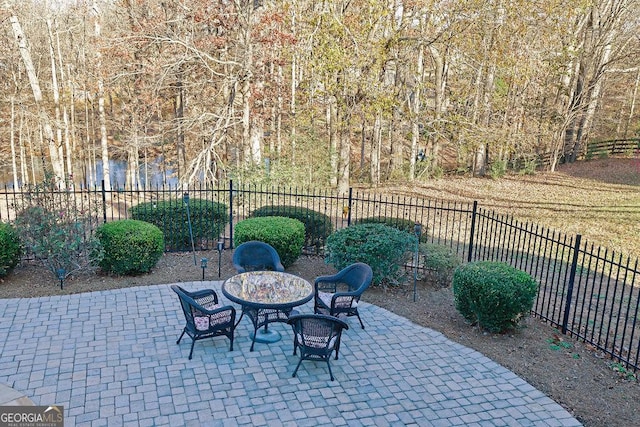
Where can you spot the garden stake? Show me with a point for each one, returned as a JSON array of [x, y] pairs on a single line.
[[185, 197], [417, 229]]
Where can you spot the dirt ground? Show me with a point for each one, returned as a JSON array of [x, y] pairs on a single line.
[[571, 373]]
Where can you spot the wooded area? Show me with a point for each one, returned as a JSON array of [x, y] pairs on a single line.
[[309, 92]]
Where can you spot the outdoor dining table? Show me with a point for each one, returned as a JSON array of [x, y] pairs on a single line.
[[267, 297]]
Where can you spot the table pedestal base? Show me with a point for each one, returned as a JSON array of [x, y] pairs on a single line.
[[266, 337]]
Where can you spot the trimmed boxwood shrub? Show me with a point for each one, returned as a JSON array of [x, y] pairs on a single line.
[[286, 235], [10, 248], [130, 246], [208, 219], [384, 248], [317, 226], [440, 261], [402, 224], [493, 295]]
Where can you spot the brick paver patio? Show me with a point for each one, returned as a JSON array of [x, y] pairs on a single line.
[[111, 359]]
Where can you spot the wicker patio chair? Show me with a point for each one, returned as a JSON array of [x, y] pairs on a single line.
[[317, 336], [339, 294], [255, 256], [205, 317]]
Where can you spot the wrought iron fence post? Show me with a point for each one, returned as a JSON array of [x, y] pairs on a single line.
[[231, 213], [417, 230], [349, 202], [185, 199], [104, 203], [473, 229], [572, 279]]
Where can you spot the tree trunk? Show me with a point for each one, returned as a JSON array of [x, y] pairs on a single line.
[[133, 165], [43, 117], [66, 137], [413, 152], [102, 118], [89, 152], [441, 68], [70, 124], [56, 92], [632, 107], [294, 84], [294, 125], [179, 116], [255, 139], [332, 125], [375, 149], [12, 139], [278, 118], [414, 105], [24, 165], [594, 98], [601, 28], [574, 115], [395, 146], [249, 140], [344, 159], [363, 140]]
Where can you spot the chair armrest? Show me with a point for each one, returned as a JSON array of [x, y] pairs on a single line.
[[327, 286], [331, 278], [345, 299], [344, 294], [192, 302]]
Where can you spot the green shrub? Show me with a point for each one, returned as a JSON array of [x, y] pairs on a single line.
[[529, 167], [10, 249], [440, 261], [493, 295], [208, 219], [57, 228], [130, 246], [594, 150], [589, 154], [317, 226], [384, 248], [498, 169], [428, 169], [286, 235], [437, 172], [401, 224]]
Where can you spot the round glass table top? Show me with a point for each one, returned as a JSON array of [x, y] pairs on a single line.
[[267, 289]]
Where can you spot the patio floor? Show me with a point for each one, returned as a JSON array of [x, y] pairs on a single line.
[[110, 358]]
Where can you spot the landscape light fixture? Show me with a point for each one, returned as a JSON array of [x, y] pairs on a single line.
[[203, 264], [417, 229], [62, 273], [220, 249]]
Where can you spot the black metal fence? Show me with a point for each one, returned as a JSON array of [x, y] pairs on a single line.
[[588, 292]]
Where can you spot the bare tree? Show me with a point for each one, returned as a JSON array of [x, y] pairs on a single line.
[[43, 116]]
